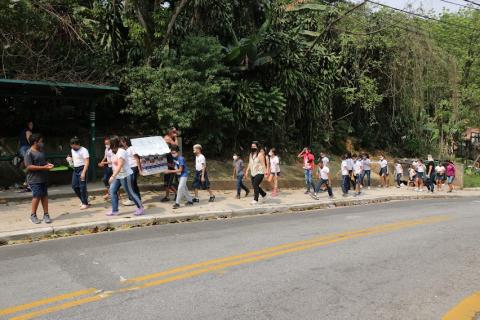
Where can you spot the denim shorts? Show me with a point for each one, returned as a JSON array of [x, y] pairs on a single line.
[[420, 175], [197, 181], [450, 179], [39, 190]]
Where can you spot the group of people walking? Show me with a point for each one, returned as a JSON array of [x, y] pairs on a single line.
[[122, 167]]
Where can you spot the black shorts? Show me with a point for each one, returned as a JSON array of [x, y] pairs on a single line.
[[197, 181], [275, 174]]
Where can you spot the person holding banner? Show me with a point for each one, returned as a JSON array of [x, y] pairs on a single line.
[[122, 176], [169, 178]]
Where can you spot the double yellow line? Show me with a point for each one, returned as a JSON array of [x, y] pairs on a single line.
[[193, 270]]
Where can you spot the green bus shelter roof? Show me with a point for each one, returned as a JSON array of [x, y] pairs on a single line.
[[36, 88]]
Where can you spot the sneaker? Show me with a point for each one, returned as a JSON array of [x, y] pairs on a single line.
[[84, 206], [46, 218], [176, 206], [254, 202], [189, 203], [112, 213], [212, 199], [263, 199], [196, 200], [331, 197], [139, 211], [247, 193], [128, 203], [165, 199], [314, 196], [34, 219], [238, 196], [345, 195]]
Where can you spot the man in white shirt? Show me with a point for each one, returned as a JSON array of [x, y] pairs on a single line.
[[324, 159], [201, 176], [323, 173], [358, 173], [345, 176], [80, 159]]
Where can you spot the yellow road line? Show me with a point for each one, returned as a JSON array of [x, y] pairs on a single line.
[[340, 237], [271, 249], [42, 302], [215, 265], [60, 307], [466, 309]]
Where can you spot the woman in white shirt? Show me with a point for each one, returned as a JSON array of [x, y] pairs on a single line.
[[274, 169], [383, 171], [122, 176], [135, 165], [420, 175], [345, 175]]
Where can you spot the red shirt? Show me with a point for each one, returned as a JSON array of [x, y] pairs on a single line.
[[308, 159]]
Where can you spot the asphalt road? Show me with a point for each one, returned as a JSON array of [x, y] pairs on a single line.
[[402, 260]]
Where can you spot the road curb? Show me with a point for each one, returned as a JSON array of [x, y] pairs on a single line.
[[28, 235]]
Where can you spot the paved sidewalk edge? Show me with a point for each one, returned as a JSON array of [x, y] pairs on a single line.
[[52, 232]]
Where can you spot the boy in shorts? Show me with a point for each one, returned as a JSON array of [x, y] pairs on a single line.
[[201, 176], [37, 169]]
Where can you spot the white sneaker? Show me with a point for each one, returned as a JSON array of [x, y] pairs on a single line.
[[128, 203], [263, 199], [84, 207], [254, 202]]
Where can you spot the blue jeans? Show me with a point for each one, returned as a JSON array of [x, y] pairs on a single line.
[[126, 183], [309, 179], [79, 186], [135, 187], [367, 173], [107, 173], [326, 183], [241, 185], [345, 183]]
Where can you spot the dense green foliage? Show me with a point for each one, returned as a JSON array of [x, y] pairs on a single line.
[[287, 73]]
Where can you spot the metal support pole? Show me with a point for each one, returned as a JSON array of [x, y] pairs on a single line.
[[93, 156]]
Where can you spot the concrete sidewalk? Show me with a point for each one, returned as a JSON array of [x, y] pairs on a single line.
[[69, 219]]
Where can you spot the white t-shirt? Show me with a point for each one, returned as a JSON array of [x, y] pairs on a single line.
[[325, 161], [80, 156], [415, 165], [366, 164], [344, 168], [200, 162], [350, 164], [358, 167], [131, 157], [324, 173], [440, 169], [398, 168], [421, 168], [126, 170], [274, 164], [108, 156], [383, 163]]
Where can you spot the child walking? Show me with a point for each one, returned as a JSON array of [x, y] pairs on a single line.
[[274, 170], [358, 173], [323, 174], [398, 173], [181, 170], [451, 171], [122, 176], [238, 174], [37, 169], [106, 164], [80, 159], [201, 175]]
